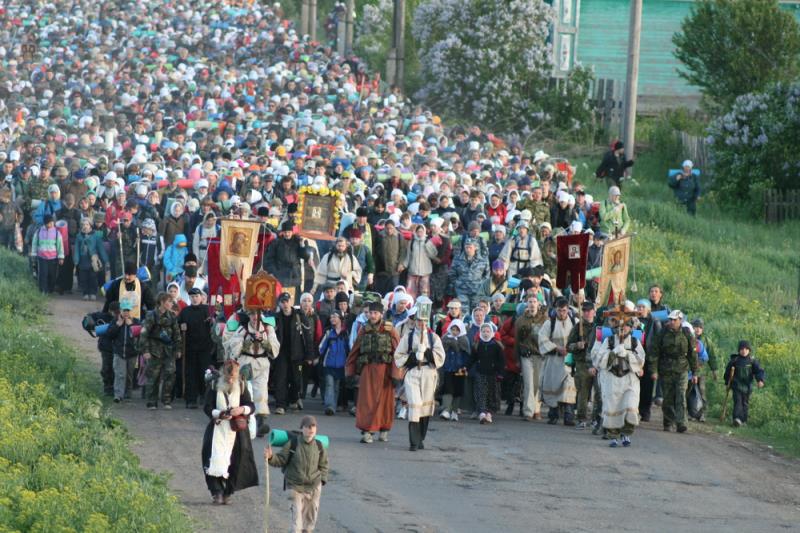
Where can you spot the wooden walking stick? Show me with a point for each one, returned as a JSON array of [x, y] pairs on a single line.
[[266, 483], [727, 392]]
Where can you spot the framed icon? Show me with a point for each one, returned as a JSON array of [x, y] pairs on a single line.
[[318, 211], [261, 292]]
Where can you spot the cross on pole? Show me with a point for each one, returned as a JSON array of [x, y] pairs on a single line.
[[618, 314]]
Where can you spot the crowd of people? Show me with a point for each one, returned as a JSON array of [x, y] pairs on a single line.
[[129, 130]]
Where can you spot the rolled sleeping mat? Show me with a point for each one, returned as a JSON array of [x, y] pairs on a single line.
[[101, 330], [605, 332], [675, 171], [63, 229], [136, 330], [513, 282], [143, 274], [593, 273], [661, 316], [279, 437]]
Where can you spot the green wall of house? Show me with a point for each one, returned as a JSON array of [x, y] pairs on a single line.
[[603, 42]]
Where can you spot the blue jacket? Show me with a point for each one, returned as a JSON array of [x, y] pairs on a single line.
[[456, 353], [334, 348], [47, 207], [94, 245], [173, 257]]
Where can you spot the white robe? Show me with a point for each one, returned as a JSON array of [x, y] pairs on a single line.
[[558, 385], [420, 381], [620, 394]]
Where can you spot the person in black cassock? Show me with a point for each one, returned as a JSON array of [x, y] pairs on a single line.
[[227, 455], [196, 321]]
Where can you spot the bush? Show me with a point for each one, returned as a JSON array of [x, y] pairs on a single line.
[[734, 47], [754, 146], [64, 463], [491, 62]]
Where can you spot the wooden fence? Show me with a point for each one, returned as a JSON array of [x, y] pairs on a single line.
[[780, 206], [607, 97], [695, 149]]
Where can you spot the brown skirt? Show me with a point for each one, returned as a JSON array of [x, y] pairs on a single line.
[[375, 407]]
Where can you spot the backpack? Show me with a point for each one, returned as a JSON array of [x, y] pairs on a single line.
[[572, 319], [293, 440], [612, 341]]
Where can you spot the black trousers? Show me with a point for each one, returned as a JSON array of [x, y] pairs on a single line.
[[741, 405], [107, 371], [219, 485], [646, 385], [196, 363], [66, 275], [417, 431], [47, 270], [287, 380]]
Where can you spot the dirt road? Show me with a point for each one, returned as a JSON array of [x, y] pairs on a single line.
[[511, 476]]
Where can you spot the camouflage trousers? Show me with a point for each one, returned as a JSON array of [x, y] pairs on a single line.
[[674, 406], [160, 375], [587, 384]]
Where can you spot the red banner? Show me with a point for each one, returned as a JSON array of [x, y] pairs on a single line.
[[572, 253]]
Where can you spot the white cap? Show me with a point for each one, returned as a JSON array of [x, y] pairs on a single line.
[[687, 163]]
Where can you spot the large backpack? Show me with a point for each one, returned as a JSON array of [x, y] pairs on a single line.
[[293, 440]]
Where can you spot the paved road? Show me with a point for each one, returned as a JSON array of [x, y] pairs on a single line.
[[511, 476]]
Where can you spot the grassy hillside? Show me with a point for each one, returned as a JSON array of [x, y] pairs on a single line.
[[65, 464], [739, 274]]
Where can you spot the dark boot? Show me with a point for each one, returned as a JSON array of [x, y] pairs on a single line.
[[262, 427]]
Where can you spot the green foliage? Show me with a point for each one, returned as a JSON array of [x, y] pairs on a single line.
[[735, 47], [754, 146], [64, 463], [740, 275]]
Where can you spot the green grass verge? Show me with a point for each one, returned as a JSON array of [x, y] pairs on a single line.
[[65, 464], [739, 274]]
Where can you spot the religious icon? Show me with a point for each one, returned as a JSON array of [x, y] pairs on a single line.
[[261, 292], [574, 251], [616, 262], [240, 243]]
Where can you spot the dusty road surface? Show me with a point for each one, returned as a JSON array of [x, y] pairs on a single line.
[[511, 476]]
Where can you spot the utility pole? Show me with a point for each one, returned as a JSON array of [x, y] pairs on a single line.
[[350, 19], [312, 28], [304, 9], [632, 82], [395, 64]]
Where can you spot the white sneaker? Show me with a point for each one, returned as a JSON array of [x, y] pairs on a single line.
[[403, 414], [383, 436], [445, 415], [366, 437], [454, 417], [489, 418], [482, 418]]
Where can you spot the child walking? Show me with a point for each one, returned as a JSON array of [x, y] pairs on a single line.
[[456, 348], [741, 371], [120, 332], [305, 465], [488, 363]]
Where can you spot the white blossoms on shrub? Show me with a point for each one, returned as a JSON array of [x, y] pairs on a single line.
[[486, 60], [754, 146]]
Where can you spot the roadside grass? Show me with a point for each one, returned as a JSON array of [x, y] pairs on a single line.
[[740, 275], [65, 464]]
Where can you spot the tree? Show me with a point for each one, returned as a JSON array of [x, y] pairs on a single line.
[[754, 146], [486, 60], [735, 47]]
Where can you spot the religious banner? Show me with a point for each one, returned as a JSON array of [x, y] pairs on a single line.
[[614, 277], [225, 290], [261, 292], [318, 212], [572, 251], [238, 246]]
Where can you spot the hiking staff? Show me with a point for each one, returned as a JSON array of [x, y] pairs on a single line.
[[119, 238], [266, 482], [138, 248], [727, 393]]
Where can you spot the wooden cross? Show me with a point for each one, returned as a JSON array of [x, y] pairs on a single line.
[[619, 313]]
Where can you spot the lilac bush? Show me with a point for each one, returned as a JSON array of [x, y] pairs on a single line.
[[755, 145], [486, 60]]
